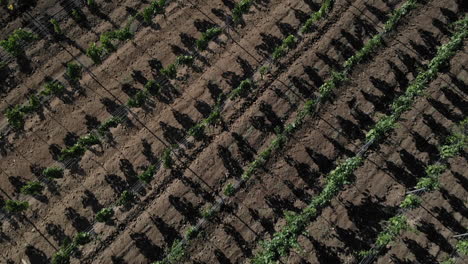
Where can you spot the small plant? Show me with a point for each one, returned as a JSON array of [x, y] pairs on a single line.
[[170, 71], [411, 201], [264, 70], [78, 16], [208, 213], [462, 247], [138, 100], [152, 87], [106, 41], [229, 190], [158, 6], [148, 14], [15, 117], [12, 44], [207, 36], [192, 232], [93, 6], [60, 257], [95, 53], [73, 71], [288, 43], [121, 34], [82, 238], [242, 89], [56, 26], [435, 170], [148, 174], [454, 146], [105, 215], [167, 159], [126, 198], [197, 131], [33, 104], [214, 117], [53, 88], [74, 151], [32, 188], [111, 122], [89, 140], [184, 60], [240, 9], [428, 183], [13, 206], [53, 172]]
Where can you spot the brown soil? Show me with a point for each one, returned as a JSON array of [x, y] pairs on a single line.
[[168, 206]]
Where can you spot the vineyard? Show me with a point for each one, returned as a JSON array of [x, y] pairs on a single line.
[[233, 131]]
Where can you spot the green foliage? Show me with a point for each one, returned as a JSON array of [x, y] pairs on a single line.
[[462, 247], [53, 88], [138, 100], [72, 152], [448, 261], [327, 5], [56, 26], [192, 233], [53, 172], [197, 131], [264, 70], [167, 159], [13, 206], [207, 36], [184, 60], [411, 201], [12, 44], [152, 87], [208, 213], [429, 183], [79, 148], [398, 14], [383, 126], [106, 42], [177, 252], [111, 122], [156, 7], [32, 188], [229, 190], [78, 16], [82, 238], [126, 198], [375, 42], [456, 143], [92, 5], [148, 174], [73, 71], [170, 71], [241, 90], [60, 257], [104, 215], [15, 117], [327, 88], [88, 140], [121, 34], [404, 102], [95, 53], [240, 9], [288, 43], [33, 104], [435, 170], [148, 14], [396, 225]]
